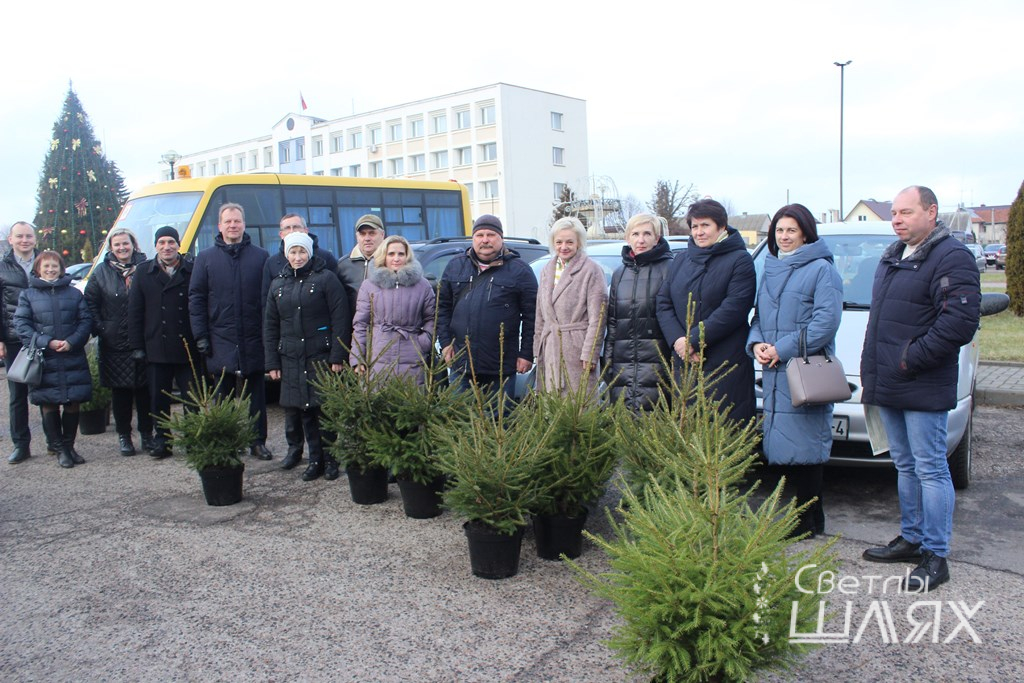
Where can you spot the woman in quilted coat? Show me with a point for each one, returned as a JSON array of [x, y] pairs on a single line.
[[107, 297], [52, 315]]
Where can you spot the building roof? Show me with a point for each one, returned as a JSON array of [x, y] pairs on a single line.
[[751, 222], [990, 214], [881, 209]]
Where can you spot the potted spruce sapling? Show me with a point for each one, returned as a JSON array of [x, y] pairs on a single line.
[[212, 430]]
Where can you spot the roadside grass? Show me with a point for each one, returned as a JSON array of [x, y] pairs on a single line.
[[1001, 336]]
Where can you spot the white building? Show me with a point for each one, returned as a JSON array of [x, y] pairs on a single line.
[[514, 148]]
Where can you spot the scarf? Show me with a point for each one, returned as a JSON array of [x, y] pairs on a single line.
[[125, 270]]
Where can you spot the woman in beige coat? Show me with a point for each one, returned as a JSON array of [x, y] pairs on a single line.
[[571, 301]]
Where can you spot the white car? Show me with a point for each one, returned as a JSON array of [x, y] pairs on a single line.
[[856, 248]]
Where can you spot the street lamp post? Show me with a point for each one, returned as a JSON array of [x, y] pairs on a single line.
[[170, 158], [842, 78]]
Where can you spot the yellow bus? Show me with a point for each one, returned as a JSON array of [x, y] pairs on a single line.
[[329, 204]]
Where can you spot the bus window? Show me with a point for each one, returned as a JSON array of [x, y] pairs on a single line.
[[144, 215]]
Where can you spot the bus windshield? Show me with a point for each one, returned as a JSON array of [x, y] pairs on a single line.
[[145, 215]]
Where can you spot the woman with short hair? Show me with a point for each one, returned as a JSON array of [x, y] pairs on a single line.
[[571, 303], [52, 315]]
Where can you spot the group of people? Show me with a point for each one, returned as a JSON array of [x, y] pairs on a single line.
[[245, 313]]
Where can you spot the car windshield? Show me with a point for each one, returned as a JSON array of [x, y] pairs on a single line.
[[856, 258], [144, 215], [993, 248]]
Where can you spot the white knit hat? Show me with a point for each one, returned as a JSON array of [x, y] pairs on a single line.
[[298, 239]]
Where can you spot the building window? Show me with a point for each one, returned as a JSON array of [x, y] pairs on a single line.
[[559, 189], [416, 128], [439, 159], [376, 136], [254, 159], [489, 189], [268, 157], [469, 190], [487, 115], [318, 172], [354, 171], [376, 169], [396, 167], [200, 170], [355, 139], [336, 171], [213, 168], [394, 132], [556, 120], [318, 147], [283, 153], [227, 166], [337, 142], [417, 163], [463, 156], [300, 150], [488, 151], [240, 163], [558, 156], [438, 124], [461, 120]]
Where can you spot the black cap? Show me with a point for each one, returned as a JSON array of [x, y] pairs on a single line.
[[166, 231], [488, 222]]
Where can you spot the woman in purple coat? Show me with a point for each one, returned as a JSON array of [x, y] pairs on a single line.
[[393, 329]]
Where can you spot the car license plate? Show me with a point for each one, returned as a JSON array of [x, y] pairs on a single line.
[[840, 427]]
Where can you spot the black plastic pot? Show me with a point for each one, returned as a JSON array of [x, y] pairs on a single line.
[[493, 555], [368, 487], [559, 534], [222, 485], [92, 421], [421, 501]]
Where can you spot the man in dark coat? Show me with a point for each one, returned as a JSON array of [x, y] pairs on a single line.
[[925, 305], [355, 267], [14, 271], [225, 299], [159, 330], [488, 301]]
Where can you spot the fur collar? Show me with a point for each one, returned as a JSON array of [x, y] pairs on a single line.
[[407, 276], [895, 250]]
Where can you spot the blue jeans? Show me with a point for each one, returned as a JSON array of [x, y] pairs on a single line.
[[917, 445]]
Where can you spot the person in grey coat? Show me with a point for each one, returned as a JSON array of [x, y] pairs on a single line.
[[306, 313], [393, 328], [801, 292], [52, 315], [355, 268]]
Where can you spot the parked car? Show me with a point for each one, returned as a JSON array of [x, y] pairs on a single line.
[[857, 247], [990, 253], [78, 270], [979, 256], [1001, 258], [608, 254], [435, 254]]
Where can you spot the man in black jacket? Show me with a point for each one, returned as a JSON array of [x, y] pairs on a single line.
[[488, 302], [355, 267], [14, 270], [925, 305], [159, 331]]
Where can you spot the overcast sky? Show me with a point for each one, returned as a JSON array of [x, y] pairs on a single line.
[[739, 98]]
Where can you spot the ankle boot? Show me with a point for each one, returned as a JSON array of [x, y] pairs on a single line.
[[126, 445], [69, 425], [315, 470], [148, 442], [52, 428], [331, 469]]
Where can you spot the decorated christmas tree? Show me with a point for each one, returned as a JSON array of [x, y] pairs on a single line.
[[80, 191]]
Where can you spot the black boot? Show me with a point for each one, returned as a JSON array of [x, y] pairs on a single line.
[[125, 441], [293, 436], [331, 469], [315, 470], [69, 425], [292, 458], [148, 442], [52, 428]]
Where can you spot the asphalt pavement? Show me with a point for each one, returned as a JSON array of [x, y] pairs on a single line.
[[117, 570]]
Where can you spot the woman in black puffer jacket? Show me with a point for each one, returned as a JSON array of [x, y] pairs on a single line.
[[635, 351], [107, 297], [52, 315]]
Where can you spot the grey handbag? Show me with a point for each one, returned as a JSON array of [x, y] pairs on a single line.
[[816, 380], [27, 367]]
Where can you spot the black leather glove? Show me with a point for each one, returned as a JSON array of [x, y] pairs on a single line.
[[139, 355], [203, 346]]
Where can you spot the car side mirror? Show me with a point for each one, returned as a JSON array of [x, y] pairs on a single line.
[[994, 302]]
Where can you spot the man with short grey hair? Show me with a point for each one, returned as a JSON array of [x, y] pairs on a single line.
[[355, 267], [14, 273]]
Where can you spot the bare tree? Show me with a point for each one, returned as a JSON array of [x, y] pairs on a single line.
[[567, 205], [669, 201], [631, 206]]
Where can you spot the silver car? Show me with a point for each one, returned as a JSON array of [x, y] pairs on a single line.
[[857, 247]]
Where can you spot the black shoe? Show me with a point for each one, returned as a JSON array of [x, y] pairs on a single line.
[[148, 442], [331, 470], [64, 458], [51, 449], [932, 572], [75, 456], [315, 470], [260, 452], [20, 454], [127, 447], [161, 451], [293, 458], [898, 550]]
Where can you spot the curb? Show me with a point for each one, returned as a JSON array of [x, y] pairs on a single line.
[[998, 397]]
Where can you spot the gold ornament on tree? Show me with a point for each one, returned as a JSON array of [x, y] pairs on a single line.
[[53, 183], [98, 149], [91, 175], [76, 142], [54, 144]]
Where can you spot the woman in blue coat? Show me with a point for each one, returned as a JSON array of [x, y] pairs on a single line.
[[801, 290], [53, 315], [717, 273]]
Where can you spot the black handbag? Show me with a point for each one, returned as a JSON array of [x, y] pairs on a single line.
[[27, 367], [816, 380]]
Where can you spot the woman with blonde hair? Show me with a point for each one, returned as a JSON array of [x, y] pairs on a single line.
[[571, 301], [393, 329], [121, 369]]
